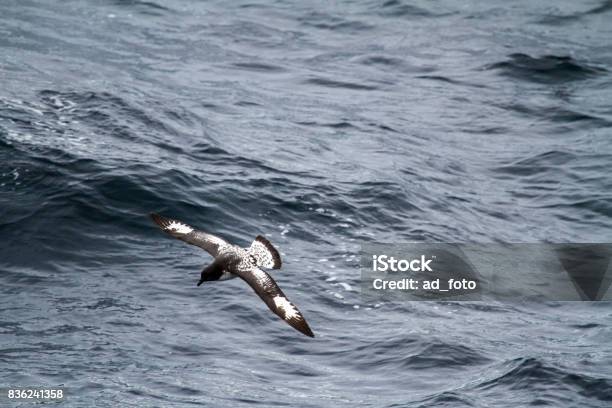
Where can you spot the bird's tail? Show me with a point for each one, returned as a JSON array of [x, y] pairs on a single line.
[[266, 256]]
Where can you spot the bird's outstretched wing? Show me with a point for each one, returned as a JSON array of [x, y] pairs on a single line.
[[184, 232], [269, 292]]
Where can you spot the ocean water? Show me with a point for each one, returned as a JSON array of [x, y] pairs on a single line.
[[323, 125]]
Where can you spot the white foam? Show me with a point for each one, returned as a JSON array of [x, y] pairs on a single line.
[[346, 286]]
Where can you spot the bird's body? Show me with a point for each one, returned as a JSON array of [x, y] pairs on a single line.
[[232, 261]]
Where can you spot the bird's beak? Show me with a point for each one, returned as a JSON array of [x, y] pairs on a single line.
[[200, 282]]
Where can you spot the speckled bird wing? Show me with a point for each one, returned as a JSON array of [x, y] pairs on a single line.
[[269, 292], [184, 232]]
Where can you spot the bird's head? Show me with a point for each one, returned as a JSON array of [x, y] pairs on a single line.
[[210, 273]]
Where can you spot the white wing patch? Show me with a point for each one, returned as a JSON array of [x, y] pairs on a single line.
[[262, 277], [287, 307], [179, 228]]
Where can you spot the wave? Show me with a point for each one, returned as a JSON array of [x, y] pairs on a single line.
[[562, 19], [549, 69]]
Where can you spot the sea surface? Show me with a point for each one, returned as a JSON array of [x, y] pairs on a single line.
[[322, 125]]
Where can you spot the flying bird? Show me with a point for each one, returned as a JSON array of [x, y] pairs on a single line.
[[231, 261]]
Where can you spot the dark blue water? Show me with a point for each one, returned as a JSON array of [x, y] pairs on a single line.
[[324, 126]]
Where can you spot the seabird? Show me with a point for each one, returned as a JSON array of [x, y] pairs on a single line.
[[232, 261]]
